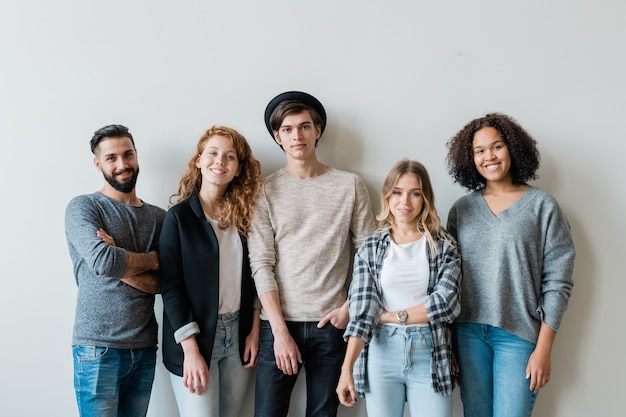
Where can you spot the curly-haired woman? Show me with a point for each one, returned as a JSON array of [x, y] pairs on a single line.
[[517, 255], [210, 319]]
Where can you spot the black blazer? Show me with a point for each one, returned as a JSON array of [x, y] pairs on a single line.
[[189, 270]]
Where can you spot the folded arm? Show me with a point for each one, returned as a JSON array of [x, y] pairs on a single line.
[[141, 268]]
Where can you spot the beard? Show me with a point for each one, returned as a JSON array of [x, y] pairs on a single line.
[[123, 187]]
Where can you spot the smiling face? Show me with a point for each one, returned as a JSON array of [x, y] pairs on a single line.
[[406, 200], [491, 155], [116, 158], [218, 162], [298, 135]]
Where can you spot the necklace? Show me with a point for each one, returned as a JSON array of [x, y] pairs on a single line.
[[214, 216]]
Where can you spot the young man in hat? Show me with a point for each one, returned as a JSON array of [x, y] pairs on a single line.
[[112, 237], [307, 220]]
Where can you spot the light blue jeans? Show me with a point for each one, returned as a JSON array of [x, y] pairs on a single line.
[[113, 382], [398, 370], [492, 374], [228, 379]]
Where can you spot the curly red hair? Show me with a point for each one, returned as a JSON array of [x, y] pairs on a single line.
[[238, 199]]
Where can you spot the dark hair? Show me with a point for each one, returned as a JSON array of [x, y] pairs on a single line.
[[522, 148], [289, 107], [110, 131]]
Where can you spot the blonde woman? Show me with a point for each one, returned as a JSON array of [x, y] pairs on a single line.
[[403, 298], [210, 326]]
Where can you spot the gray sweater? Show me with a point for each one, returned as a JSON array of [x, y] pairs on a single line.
[[517, 266], [110, 313]]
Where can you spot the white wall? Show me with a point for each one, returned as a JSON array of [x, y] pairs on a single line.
[[398, 79]]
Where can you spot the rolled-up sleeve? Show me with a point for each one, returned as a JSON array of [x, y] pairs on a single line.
[[443, 304], [364, 301]]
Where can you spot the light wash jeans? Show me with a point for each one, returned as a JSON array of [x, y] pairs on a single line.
[[113, 382], [228, 379], [398, 370], [492, 374]]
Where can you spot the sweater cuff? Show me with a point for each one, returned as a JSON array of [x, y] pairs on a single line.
[[265, 281], [186, 331]]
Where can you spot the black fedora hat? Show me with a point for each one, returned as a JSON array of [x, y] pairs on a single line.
[[300, 96]]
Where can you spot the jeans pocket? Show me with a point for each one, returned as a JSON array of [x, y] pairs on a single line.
[[334, 329], [381, 333], [89, 353], [426, 336]]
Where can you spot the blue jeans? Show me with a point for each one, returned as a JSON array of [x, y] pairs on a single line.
[[492, 374], [113, 382], [228, 379], [322, 352], [398, 370]]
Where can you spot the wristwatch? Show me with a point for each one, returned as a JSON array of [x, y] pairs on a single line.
[[402, 315]]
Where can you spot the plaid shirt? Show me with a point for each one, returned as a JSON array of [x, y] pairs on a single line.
[[442, 306]]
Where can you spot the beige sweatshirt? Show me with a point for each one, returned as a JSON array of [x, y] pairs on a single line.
[[302, 239]]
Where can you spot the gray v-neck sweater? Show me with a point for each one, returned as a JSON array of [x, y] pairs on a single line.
[[517, 266]]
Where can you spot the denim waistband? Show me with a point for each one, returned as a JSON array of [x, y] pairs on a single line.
[[228, 317], [389, 330]]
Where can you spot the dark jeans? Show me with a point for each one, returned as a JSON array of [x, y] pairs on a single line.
[[322, 352]]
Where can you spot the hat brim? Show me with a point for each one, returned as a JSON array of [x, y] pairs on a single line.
[[303, 97]]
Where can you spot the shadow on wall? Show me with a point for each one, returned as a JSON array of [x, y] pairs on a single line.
[[567, 352], [342, 148]]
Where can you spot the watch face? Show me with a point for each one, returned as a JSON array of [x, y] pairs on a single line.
[[402, 316]]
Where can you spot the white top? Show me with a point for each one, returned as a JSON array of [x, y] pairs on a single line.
[[231, 259], [404, 275]]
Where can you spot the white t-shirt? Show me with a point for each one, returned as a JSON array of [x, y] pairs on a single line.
[[404, 275], [231, 260]]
